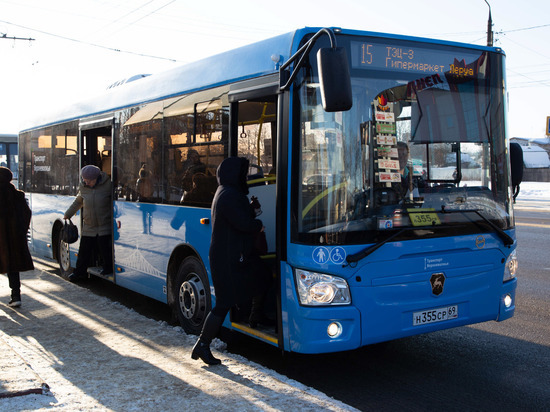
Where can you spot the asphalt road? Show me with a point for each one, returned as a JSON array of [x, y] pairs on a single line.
[[484, 367]]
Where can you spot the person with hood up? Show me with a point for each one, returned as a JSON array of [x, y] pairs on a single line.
[[15, 218], [94, 197], [237, 271]]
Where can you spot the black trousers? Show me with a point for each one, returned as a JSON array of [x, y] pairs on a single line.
[[254, 282], [15, 284], [89, 244]]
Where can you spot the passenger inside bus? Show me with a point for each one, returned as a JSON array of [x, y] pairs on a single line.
[[144, 185], [190, 167], [202, 189], [408, 185]]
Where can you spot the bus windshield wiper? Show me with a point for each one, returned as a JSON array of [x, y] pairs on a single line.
[[356, 257], [506, 239]]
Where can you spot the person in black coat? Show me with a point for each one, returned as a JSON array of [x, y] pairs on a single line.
[[236, 268], [15, 218]]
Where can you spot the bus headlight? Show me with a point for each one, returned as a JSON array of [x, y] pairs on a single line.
[[511, 267], [321, 289]]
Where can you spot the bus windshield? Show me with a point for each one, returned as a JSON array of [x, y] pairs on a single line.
[[422, 147]]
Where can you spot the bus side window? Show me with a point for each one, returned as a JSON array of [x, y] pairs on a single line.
[[202, 190], [257, 137], [106, 162]]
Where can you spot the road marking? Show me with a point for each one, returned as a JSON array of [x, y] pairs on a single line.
[[533, 225]]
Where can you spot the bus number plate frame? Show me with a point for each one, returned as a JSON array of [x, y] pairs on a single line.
[[435, 315]]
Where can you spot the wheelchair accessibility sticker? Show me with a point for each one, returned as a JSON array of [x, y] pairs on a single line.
[[322, 255]]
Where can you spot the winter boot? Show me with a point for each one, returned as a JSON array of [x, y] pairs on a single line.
[[201, 349]]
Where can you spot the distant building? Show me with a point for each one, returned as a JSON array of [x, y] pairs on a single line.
[[536, 160], [535, 157]]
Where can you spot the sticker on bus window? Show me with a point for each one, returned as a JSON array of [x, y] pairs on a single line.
[[384, 116], [423, 217], [389, 177], [387, 151], [387, 140], [385, 224], [385, 128], [388, 164]]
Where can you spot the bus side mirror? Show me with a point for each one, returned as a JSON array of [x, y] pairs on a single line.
[[516, 166], [335, 79]]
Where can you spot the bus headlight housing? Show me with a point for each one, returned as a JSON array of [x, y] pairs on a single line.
[[316, 289], [511, 267]]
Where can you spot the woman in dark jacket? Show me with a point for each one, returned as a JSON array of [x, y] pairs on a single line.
[[233, 261], [15, 218]]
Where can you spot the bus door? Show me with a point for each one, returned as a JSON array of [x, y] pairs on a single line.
[[96, 149], [253, 134]]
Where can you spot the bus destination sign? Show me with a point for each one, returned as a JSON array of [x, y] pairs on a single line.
[[408, 58]]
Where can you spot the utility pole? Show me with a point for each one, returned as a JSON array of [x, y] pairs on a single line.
[[489, 27]]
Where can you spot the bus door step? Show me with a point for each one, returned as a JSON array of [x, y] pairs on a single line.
[[96, 271], [266, 333]]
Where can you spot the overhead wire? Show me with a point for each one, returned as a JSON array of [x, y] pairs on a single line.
[[89, 43], [140, 18], [530, 81]]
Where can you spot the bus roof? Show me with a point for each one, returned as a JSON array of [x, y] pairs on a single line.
[[254, 60], [8, 138]]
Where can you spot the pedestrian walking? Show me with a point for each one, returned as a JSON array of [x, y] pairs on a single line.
[[15, 218]]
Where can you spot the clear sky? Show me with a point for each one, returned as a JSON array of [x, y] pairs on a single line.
[[82, 46]]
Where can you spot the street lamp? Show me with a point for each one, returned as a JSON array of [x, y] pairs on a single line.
[[489, 27]]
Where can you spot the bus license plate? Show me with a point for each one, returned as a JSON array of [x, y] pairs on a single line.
[[435, 315]]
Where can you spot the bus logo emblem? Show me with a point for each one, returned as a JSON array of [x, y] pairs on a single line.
[[480, 242], [437, 281]]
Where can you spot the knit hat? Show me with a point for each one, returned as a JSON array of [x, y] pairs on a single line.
[[90, 172], [5, 175]]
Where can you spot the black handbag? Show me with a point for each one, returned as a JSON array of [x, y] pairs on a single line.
[[69, 233]]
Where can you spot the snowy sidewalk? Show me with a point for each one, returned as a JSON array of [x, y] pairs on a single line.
[[73, 350]]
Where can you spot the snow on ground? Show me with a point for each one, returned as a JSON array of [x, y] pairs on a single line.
[[97, 355], [533, 195]]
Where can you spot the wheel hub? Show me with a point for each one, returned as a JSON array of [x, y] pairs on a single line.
[[64, 256], [192, 299]]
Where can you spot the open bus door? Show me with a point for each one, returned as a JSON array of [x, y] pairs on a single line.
[[253, 134], [96, 139]]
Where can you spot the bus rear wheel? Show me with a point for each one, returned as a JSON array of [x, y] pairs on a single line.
[[192, 295], [63, 257]]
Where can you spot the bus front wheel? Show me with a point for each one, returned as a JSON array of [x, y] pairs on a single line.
[[192, 295], [63, 257]]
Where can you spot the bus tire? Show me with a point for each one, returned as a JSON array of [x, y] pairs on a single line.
[[63, 257], [192, 293]]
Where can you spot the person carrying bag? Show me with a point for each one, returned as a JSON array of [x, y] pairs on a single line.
[[70, 232]]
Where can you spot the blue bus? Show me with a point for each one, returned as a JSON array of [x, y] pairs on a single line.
[[381, 163], [9, 154]]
